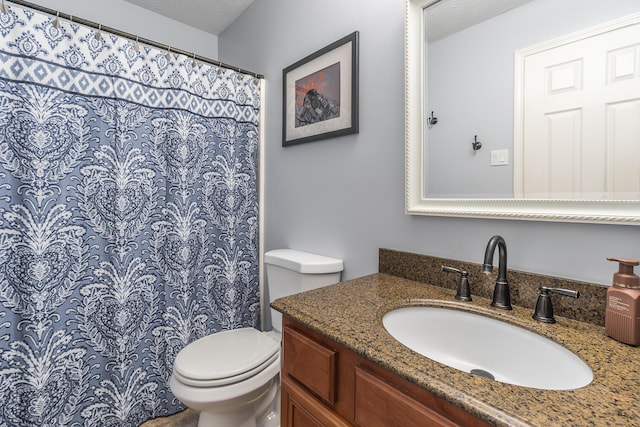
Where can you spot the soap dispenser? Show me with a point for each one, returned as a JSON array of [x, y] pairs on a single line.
[[622, 315]]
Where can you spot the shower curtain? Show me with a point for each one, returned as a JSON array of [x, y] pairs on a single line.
[[128, 219]]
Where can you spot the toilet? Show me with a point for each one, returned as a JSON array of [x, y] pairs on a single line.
[[233, 377]]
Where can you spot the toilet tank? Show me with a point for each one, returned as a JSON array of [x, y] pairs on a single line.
[[290, 271]]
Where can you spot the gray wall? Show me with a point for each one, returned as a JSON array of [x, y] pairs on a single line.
[[344, 197]]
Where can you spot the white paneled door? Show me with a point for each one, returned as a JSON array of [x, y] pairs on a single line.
[[579, 134]]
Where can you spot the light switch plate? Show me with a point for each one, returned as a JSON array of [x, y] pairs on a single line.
[[499, 157]]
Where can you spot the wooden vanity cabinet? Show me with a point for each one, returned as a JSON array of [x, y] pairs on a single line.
[[325, 384]]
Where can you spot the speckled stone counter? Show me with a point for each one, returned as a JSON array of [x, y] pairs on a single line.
[[350, 313]]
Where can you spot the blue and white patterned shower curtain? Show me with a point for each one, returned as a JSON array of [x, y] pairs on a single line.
[[128, 220]]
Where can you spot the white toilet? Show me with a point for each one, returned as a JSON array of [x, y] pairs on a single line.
[[233, 377]]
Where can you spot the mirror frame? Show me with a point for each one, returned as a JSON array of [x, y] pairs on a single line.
[[570, 210]]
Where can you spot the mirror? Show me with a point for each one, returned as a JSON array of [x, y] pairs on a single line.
[[485, 190]]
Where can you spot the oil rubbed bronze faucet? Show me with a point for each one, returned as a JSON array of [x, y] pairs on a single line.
[[501, 295]]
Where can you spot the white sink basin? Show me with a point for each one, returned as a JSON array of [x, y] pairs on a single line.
[[488, 347]]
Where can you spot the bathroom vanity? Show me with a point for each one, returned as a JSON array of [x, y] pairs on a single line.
[[341, 367], [326, 384]]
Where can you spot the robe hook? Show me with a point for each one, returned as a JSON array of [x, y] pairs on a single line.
[[432, 120], [476, 144]]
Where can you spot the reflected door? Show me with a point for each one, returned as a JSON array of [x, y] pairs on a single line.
[[581, 118]]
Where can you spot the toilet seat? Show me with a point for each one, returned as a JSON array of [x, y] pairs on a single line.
[[225, 358]]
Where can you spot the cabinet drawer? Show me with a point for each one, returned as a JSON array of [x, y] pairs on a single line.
[[379, 404], [311, 363], [300, 409]]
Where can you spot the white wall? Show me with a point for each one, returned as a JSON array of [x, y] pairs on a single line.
[[345, 197], [133, 19]]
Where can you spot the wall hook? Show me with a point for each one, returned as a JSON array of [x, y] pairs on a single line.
[[432, 120], [476, 144]]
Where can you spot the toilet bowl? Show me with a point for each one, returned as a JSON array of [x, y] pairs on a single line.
[[233, 377]]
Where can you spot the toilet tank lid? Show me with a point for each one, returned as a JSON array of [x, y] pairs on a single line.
[[303, 262]]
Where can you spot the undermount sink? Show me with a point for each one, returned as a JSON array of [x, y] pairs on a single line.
[[487, 347]]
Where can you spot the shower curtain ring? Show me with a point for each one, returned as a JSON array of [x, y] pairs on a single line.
[[99, 33], [136, 45], [56, 22], [3, 8]]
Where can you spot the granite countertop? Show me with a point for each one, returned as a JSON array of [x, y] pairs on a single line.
[[350, 313]]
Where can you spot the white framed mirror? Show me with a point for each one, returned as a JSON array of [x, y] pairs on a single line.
[[602, 208]]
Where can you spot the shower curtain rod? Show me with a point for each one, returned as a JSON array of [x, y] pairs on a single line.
[[130, 36]]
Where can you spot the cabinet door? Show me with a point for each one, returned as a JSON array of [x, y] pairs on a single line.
[[311, 363], [300, 409], [379, 404]]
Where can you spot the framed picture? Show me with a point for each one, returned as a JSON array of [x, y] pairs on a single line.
[[320, 94]]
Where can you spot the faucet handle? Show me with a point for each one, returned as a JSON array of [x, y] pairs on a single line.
[[544, 308], [463, 292]]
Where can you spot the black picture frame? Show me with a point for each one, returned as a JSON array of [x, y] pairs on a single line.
[[320, 93]]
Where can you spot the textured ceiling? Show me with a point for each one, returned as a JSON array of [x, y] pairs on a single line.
[[212, 16], [450, 16]]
